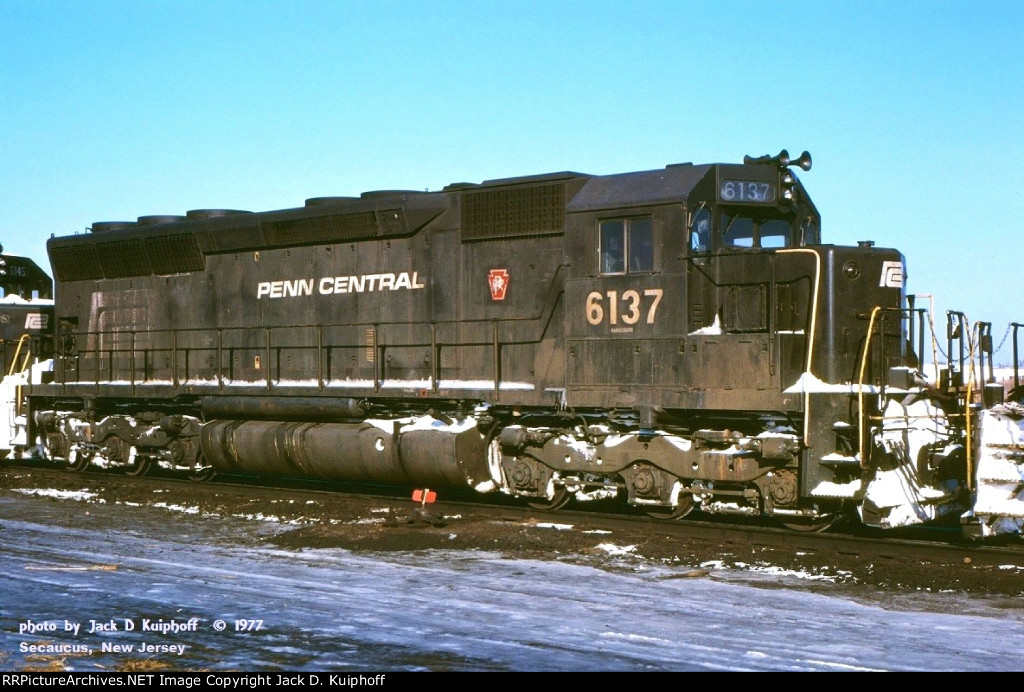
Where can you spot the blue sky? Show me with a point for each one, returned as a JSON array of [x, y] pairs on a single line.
[[913, 111]]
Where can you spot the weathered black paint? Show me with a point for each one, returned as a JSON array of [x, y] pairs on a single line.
[[382, 305]]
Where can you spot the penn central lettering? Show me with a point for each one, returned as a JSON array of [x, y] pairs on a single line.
[[365, 283]]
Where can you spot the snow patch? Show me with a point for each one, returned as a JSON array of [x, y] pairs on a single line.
[[177, 508], [613, 549], [634, 637], [80, 495], [714, 329]]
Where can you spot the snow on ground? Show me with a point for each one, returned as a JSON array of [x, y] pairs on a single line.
[[250, 607]]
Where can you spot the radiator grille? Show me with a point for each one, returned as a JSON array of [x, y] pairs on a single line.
[[513, 212], [76, 263], [322, 229], [175, 254], [124, 258]]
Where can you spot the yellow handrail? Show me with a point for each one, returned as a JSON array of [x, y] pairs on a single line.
[[860, 385], [17, 352], [810, 337], [974, 339]]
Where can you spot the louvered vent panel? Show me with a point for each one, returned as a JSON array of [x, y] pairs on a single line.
[[322, 229], [124, 258], [513, 212], [76, 263], [175, 254]]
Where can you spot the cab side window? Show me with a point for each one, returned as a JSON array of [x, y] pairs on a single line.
[[810, 234], [626, 245], [700, 232]]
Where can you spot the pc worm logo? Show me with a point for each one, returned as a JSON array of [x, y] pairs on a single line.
[[892, 275], [36, 320]]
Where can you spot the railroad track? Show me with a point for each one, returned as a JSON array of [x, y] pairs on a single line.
[[930, 553]]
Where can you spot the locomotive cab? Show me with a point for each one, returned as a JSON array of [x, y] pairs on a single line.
[[760, 205], [708, 315]]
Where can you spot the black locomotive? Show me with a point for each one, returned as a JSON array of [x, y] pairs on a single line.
[[679, 338], [26, 312]]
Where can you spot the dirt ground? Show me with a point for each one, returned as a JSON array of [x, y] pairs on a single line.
[[337, 520]]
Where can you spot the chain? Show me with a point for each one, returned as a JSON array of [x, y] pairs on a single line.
[[937, 345], [1005, 335], [935, 339]]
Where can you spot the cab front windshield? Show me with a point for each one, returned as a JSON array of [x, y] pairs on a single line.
[[746, 231]]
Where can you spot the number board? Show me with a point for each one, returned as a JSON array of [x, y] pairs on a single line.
[[746, 192], [609, 309]]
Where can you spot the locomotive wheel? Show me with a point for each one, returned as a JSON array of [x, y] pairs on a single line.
[[201, 474], [684, 507], [201, 470], [558, 500], [812, 524], [141, 467], [81, 462]]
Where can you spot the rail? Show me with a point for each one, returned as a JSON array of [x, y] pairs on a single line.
[[972, 345], [880, 359], [1016, 357], [363, 354], [17, 351]]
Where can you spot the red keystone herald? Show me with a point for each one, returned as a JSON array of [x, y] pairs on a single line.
[[498, 281]]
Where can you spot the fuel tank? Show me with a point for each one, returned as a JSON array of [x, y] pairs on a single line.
[[421, 451]]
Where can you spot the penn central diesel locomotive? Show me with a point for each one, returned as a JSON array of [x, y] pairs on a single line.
[[679, 338]]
